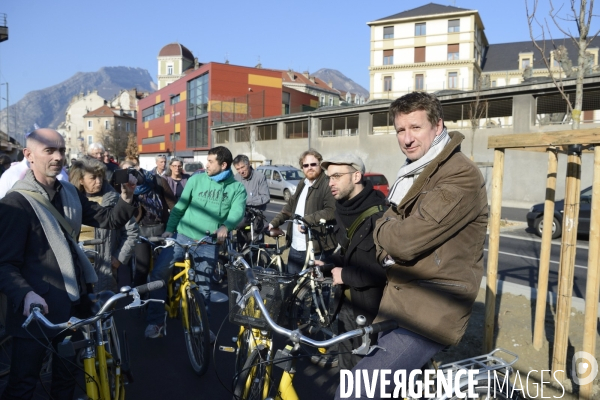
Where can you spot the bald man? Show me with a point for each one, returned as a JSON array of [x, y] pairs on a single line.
[[40, 262]]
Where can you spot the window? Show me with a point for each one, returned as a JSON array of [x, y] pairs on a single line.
[[452, 80], [322, 100], [382, 123], [126, 126], [90, 125], [556, 63], [388, 32], [388, 57], [169, 69], [330, 101], [155, 111], [420, 29], [175, 99], [453, 52], [106, 125], [197, 133], [222, 137], [340, 126], [90, 139], [267, 132], [387, 83], [525, 63], [454, 25], [153, 140], [296, 129], [242, 134], [493, 83], [419, 54], [276, 176], [135, 126], [267, 173], [197, 96], [419, 82]]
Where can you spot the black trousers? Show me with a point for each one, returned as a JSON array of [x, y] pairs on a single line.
[[26, 364], [143, 253]]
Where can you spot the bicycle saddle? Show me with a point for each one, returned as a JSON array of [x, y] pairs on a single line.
[[275, 232]]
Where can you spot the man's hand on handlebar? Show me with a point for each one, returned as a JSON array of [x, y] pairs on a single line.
[[33, 298], [336, 273], [167, 234], [221, 233]]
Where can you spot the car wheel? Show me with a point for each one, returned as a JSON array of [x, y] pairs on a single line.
[[286, 195], [539, 226]]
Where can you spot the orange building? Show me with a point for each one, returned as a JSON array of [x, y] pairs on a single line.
[[207, 96]]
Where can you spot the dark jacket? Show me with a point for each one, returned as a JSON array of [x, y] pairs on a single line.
[[436, 237], [361, 272], [173, 183], [320, 204], [167, 199], [27, 262]]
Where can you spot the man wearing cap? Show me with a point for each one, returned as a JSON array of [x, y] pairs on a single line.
[[313, 201], [362, 279]]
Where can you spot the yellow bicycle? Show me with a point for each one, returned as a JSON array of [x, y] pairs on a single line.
[[185, 299], [102, 354]]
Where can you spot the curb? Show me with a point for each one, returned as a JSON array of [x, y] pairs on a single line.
[[530, 293]]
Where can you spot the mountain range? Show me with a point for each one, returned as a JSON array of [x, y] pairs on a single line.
[[46, 107], [341, 81]]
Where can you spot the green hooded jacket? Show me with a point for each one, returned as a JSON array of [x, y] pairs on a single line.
[[205, 205]]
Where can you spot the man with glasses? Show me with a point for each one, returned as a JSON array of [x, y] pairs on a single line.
[[313, 200], [361, 278]]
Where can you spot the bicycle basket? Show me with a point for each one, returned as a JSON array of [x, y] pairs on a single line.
[[275, 290]]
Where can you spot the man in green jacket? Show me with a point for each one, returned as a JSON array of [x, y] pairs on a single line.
[[430, 241], [213, 202]]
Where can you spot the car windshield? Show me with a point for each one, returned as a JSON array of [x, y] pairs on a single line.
[[587, 192], [292, 175]]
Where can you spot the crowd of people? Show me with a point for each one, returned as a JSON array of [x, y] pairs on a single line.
[[415, 257]]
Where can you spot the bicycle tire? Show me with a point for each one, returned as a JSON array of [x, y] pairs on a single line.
[[219, 271], [5, 354], [303, 310], [242, 352], [197, 336], [113, 349], [253, 380]]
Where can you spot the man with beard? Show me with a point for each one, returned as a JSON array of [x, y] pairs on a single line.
[[313, 201], [213, 202], [358, 206]]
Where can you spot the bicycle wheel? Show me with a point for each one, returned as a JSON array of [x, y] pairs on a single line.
[[197, 336], [113, 349], [253, 380], [242, 351], [5, 354], [219, 271], [312, 311]]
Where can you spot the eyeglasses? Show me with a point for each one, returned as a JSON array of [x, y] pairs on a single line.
[[314, 164], [336, 177]]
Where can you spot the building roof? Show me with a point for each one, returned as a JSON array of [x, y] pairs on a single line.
[[106, 112], [505, 56], [312, 81], [176, 50], [427, 9]]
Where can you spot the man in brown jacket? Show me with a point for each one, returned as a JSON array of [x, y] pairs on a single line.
[[430, 240], [313, 200]]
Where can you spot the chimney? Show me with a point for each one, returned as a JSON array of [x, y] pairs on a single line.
[[291, 75], [330, 84], [306, 74], [259, 66], [312, 79], [196, 63]]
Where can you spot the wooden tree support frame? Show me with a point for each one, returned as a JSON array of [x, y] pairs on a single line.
[[552, 143]]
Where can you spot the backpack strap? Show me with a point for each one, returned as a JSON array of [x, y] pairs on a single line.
[[361, 218], [46, 203]]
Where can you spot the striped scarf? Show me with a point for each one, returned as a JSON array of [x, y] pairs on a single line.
[[410, 171]]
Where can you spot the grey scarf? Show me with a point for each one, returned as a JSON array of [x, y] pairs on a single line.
[[54, 234]]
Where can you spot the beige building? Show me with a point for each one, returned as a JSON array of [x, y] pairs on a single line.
[[73, 128], [109, 126], [307, 83], [436, 47], [173, 60], [126, 100]]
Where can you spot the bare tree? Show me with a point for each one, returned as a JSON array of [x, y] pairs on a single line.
[[477, 111], [131, 152], [115, 140]]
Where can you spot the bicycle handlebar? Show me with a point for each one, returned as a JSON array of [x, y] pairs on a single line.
[[74, 323], [91, 242], [295, 335]]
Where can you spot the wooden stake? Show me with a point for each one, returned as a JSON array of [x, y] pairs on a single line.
[[567, 263], [592, 290], [493, 248], [542, 288]]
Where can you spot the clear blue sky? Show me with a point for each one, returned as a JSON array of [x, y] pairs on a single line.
[[50, 41]]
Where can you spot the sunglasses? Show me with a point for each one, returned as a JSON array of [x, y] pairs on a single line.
[[314, 164]]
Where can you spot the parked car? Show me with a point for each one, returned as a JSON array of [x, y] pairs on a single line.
[[192, 167], [535, 215], [281, 179], [379, 182]]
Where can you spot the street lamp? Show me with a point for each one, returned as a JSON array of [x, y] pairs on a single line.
[[174, 137]]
